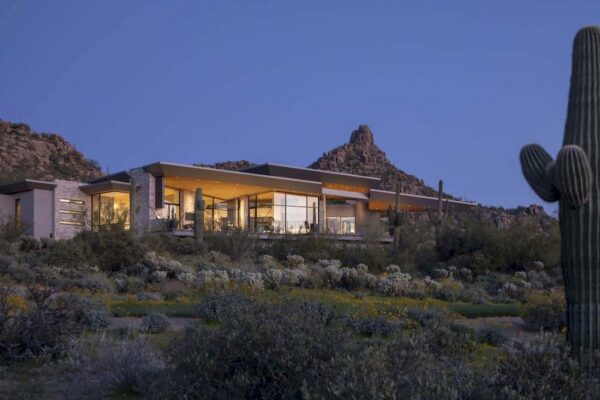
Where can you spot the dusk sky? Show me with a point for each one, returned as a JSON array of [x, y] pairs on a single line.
[[451, 89]]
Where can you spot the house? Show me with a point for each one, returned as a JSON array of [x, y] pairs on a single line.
[[268, 199]]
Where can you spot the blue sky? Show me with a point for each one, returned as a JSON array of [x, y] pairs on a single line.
[[451, 89]]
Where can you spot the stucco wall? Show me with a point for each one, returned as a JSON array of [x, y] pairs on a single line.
[[7, 206], [43, 213], [367, 222]]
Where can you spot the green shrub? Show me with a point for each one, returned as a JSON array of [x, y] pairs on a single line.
[[155, 323], [236, 243], [491, 334], [113, 250], [544, 312], [68, 253]]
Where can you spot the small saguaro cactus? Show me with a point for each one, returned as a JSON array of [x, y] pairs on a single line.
[[574, 180], [438, 219], [396, 218], [199, 206], [132, 205]]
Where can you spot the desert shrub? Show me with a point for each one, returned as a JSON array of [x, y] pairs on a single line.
[[87, 312], [311, 248], [375, 256], [218, 306], [39, 330], [95, 283], [425, 317], [28, 243], [374, 326], [273, 277], [23, 274], [112, 250], [104, 367], [271, 352], [68, 253], [236, 243], [491, 334], [544, 311], [132, 284], [149, 296], [169, 244], [540, 369], [155, 323]]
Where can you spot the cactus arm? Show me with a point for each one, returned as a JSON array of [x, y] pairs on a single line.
[[573, 175], [535, 162]]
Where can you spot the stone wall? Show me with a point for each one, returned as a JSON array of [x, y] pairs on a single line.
[[72, 209]]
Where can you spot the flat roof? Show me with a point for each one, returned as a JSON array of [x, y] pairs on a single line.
[[220, 175], [25, 186], [121, 176], [105, 186], [379, 199], [311, 174]]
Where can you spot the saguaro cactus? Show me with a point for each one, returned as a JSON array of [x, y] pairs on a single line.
[[438, 219], [396, 219], [199, 216], [132, 206], [574, 179]]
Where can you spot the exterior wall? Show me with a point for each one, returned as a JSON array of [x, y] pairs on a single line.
[[69, 190], [26, 210], [368, 223], [43, 213], [145, 211], [341, 210], [7, 206]]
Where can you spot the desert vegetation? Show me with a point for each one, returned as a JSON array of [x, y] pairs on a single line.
[[303, 317]]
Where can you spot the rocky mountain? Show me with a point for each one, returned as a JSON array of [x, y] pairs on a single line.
[[28, 154], [361, 156], [229, 165]]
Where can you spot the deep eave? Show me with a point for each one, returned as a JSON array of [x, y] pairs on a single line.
[[25, 186], [381, 199], [166, 169], [317, 175], [105, 186]]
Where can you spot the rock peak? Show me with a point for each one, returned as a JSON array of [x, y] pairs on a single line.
[[362, 136]]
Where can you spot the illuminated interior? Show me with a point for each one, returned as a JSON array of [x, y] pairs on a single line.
[[110, 208]]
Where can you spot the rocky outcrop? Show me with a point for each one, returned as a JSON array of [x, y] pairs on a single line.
[[28, 154], [361, 156], [229, 165]]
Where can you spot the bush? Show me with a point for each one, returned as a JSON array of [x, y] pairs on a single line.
[[38, 331], [104, 368], [374, 326], [155, 323], [491, 334], [541, 369], [87, 312], [68, 253], [236, 243], [544, 312], [273, 351], [113, 250], [219, 306]]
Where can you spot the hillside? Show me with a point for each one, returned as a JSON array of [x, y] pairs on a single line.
[[28, 154], [361, 156]]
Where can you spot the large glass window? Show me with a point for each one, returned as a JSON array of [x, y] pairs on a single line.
[[110, 208], [283, 213], [341, 225]]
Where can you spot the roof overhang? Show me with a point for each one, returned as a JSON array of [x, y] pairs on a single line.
[[25, 186], [380, 200], [339, 179], [345, 194], [122, 176], [105, 186], [219, 175]]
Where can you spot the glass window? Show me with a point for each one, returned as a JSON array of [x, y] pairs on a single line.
[[279, 199], [110, 208], [294, 200], [341, 225], [171, 195]]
